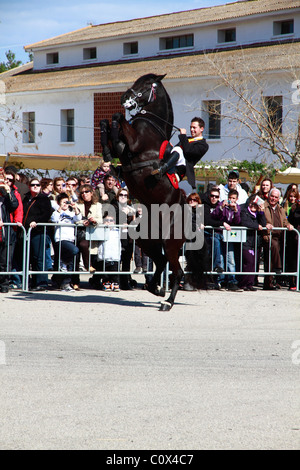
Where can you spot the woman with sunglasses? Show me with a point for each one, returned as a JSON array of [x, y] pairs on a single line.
[[125, 214], [8, 204], [91, 211], [37, 209], [16, 217], [197, 259]]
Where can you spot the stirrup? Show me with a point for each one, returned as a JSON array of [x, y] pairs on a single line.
[[156, 169], [159, 172]]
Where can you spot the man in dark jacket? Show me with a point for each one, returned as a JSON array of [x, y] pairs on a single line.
[[37, 210], [193, 147], [8, 204], [210, 202]]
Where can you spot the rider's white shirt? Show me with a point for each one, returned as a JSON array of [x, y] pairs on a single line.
[[181, 159]]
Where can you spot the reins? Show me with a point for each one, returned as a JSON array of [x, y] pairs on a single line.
[[162, 119], [157, 127]]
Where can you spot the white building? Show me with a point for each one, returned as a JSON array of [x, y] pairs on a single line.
[[53, 105]]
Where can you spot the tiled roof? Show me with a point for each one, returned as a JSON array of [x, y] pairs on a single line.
[[164, 22], [256, 59]]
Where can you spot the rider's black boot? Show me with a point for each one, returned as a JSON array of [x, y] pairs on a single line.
[[167, 165]]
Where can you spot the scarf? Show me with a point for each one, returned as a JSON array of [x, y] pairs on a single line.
[[194, 139], [252, 213]]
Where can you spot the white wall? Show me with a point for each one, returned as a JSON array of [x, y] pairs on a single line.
[[249, 30], [187, 97], [47, 108]]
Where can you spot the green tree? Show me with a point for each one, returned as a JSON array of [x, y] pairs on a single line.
[[10, 63]]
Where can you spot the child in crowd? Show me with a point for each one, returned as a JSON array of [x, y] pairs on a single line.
[[229, 213], [97, 179], [109, 254], [64, 239]]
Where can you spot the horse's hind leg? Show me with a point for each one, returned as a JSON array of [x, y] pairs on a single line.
[[177, 274]]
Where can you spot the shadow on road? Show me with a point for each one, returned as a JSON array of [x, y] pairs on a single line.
[[50, 296]]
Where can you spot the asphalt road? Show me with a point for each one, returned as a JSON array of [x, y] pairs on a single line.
[[94, 370]]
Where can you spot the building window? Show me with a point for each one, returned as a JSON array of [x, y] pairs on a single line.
[[226, 35], [29, 128], [89, 53], [177, 42], [283, 27], [52, 58], [130, 48], [67, 125], [212, 119], [273, 112]]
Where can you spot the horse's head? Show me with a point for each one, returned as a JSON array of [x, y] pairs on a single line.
[[143, 92]]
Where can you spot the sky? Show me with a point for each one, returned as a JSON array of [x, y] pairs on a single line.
[[23, 23]]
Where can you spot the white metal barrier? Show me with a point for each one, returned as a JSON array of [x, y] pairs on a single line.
[[99, 235], [14, 239]]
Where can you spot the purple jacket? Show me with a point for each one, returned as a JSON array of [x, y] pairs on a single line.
[[225, 214]]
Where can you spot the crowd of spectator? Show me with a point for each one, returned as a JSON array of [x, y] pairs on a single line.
[[264, 214], [85, 202]]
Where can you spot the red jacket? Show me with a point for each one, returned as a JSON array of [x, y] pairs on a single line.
[[17, 215]]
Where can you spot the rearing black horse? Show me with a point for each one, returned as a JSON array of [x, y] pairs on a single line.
[[141, 140]]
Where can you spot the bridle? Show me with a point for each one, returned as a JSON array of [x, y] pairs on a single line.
[[132, 103], [139, 113]]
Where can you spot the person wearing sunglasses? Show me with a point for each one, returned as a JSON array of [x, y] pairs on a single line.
[[125, 214], [8, 204], [16, 217], [71, 189], [37, 209], [91, 210], [214, 237], [273, 244], [197, 260]]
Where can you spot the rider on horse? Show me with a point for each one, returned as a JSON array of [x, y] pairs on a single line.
[[186, 154]]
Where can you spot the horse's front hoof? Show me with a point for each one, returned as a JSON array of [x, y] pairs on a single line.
[[165, 307]]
